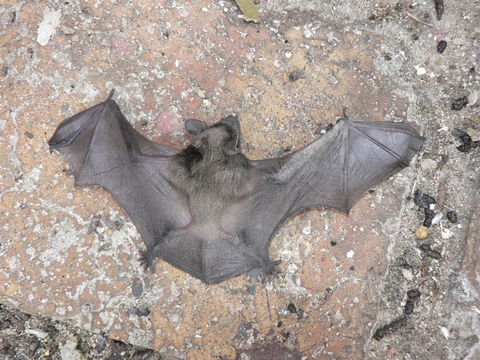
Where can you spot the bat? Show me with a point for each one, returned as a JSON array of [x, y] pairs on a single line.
[[208, 209]]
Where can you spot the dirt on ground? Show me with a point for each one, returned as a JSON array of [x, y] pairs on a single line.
[[23, 336]]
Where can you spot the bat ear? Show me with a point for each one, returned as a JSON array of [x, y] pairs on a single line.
[[194, 126], [232, 122]]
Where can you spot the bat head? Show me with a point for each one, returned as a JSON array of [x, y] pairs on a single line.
[[223, 137]]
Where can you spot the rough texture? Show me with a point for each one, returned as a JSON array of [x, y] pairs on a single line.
[[71, 254]]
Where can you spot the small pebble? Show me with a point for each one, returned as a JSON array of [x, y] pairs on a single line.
[[37, 332], [429, 215], [423, 200], [473, 98], [407, 274], [420, 70], [437, 218], [474, 133], [452, 217], [428, 164], [441, 46], [421, 232]]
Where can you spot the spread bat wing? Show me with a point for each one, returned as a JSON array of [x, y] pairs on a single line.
[[207, 209], [333, 171], [103, 149]]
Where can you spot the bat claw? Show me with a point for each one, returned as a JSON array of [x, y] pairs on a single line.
[[146, 260], [271, 271]]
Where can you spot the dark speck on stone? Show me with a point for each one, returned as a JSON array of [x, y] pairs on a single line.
[[390, 328], [413, 294], [95, 222], [460, 103], [439, 8], [429, 214], [296, 74], [409, 305], [292, 308], [100, 342], [141, 311], [441, 46], [5, 70], [423, 200], [466, 139], [333, 243], [137, 287], [452, 217], [430, 252]]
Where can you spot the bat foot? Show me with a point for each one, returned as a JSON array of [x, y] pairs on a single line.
[[147, 260], [271, 271]]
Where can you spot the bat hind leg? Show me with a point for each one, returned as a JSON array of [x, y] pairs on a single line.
[[147, 259]]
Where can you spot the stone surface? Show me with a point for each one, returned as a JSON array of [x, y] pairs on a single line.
[[72, 253]]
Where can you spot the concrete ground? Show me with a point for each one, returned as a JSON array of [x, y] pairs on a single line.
[[357, 287]]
